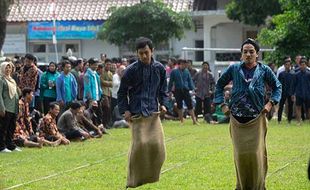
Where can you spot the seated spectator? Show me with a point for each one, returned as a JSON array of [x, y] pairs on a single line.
[[48, 127], [172, 110], [92, 113], [67, 123], [24, 134], [218, 116], [118, 120], [87, 125]]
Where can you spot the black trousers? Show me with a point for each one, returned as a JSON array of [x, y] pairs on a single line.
[[290, 108], [206, 106], [7, 128], [46, 103]]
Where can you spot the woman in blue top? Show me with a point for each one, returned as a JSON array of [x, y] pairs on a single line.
[[48, 86]]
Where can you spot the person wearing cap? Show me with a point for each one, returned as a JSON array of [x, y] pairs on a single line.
[[302, 89], [247, 109], [205, 83], [92, 87]]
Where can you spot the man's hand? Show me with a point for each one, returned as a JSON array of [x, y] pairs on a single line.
[[293, 98], [267, 107], [127, 116], [163, 109]]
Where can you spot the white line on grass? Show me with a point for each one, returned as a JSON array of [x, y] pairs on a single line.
[[80, 167]]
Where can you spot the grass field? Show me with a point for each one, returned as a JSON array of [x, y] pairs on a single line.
[[198, 157]]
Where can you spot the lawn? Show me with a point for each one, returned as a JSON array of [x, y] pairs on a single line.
[[198, 157]]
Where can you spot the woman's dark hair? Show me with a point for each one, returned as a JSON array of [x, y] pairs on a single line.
[[52, 105], [26, 91]]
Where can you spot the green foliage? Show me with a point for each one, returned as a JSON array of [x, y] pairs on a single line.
[[154, 20], [252, 12], [288, 32], [198, 157]]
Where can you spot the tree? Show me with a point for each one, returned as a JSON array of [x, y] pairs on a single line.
[[252, 12], [154, 20], [4, 11], [288, 32]]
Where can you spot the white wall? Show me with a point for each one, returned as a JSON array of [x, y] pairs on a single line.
[[187, 41], [228, 35], [93, 48]]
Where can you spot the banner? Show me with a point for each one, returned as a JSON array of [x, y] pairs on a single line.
[[65, 30], [14, 44]]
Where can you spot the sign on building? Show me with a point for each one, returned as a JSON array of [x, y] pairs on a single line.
[[65, 30]]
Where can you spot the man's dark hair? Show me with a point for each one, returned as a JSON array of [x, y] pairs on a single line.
[[107, 61], [52, 105], [30, 57], [173, 60], [93, 60], [303, 59], [75, 105], [141, 42], [26, 91], [252, 42], [181, 61], [64, 63]]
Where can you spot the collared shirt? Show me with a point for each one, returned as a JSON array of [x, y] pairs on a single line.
[[181, 78], [302, 84], [204, 82], [287, 79], [48, 126], [142, 88], [255, 89]]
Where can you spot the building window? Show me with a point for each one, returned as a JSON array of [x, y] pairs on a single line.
[[74, 47], [38, 48], [199, 54], [202, 5]]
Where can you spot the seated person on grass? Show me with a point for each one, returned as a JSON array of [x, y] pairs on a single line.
[[87, 125], [67, 123], [24, 135], [48, 127]]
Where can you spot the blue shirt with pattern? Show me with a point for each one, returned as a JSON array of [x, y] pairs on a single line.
[[143, 87], [247, 97]]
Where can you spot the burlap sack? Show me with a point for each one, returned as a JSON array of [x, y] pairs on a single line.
[[147, 152], [249, 143]]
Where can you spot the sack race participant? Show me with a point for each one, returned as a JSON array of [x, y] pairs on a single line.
[[142, 93], [247, 109]]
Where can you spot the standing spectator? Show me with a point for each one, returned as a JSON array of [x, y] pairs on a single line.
[[142, 93], [115, 85], [191, 69], [48, 127], [92, 88], [8, 108], [67, 123], [48, 86], [247, 108], [66, 87], [172, 62], [16, 74], [287, 79], [182, 80], [204, 82], [29, 73], [113, 67], [106, 84], [302, 90], [76, 71]]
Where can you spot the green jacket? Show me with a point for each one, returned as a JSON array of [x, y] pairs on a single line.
[[6, 103]]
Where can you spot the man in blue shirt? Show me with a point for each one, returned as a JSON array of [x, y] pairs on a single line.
[[142, 93], [302, 90], [247, 108], [182, 81]]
